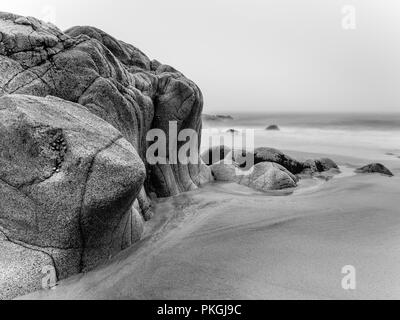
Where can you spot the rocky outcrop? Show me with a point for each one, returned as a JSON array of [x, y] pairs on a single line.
[[74, 178], [375, 168], [268, 176], [320, 165], [114, 80]]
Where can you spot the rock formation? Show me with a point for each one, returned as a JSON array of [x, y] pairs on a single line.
[[232, 131], [309, 167], [274, 155], [73, 176], [273, 127], [265, 176], [245, 160], [375, 168], [68, 180], [218, 117]]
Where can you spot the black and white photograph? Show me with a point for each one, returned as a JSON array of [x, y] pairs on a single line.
[[187, 150]]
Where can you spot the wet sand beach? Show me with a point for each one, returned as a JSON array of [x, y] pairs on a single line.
[[226, 241]]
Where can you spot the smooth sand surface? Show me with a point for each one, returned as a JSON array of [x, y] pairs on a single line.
[[226, 241]]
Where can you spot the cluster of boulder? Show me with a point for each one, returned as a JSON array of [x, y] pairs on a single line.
[[217, 117], [75, 108], [272, 127], [269, 169]]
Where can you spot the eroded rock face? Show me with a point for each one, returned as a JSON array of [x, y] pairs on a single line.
[[68, 181], [114, 80], [73, 174], [274, 155], [313, 166]]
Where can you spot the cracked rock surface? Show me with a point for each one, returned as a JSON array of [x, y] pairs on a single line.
[[75, 108]]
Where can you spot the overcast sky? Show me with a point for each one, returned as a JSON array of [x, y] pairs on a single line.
[[260, 55]]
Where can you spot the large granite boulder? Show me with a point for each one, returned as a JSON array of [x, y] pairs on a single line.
[[375, 168], [218, 117], [314, 166], [273, 155], [114, 80], [74, 180], [68, 181]]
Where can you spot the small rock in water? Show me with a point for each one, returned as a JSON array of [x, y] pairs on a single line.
[[375, 168], [273, 155]]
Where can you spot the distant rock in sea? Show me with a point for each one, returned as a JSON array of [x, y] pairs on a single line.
[[224, 171], [74, 179], [273, 127], [218, 117], [233, 131], [375, 168], [313, 166]]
